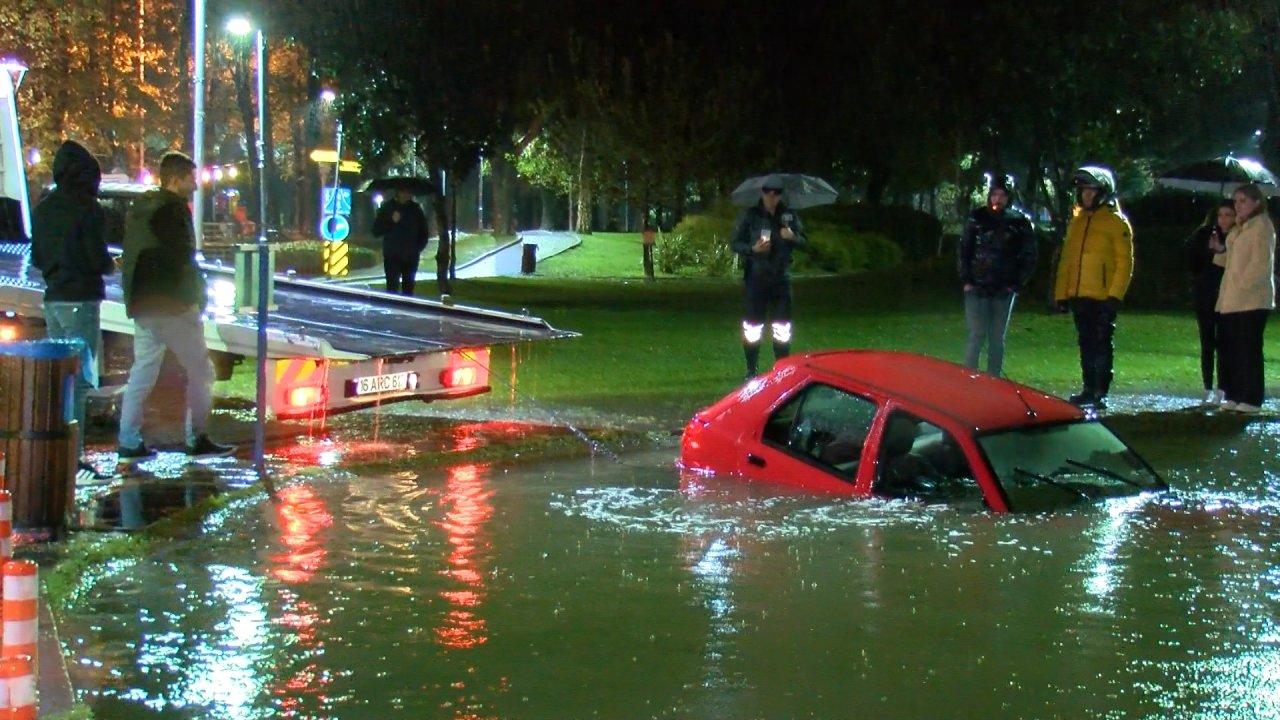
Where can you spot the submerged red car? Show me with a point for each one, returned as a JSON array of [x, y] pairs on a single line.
[[898, 425]]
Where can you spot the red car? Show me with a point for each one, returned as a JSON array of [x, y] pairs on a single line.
[[897, 425]]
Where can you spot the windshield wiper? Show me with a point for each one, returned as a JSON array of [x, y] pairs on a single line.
[[1054, 483], [1106, 473]]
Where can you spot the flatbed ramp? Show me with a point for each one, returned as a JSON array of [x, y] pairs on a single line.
[[349, 346]]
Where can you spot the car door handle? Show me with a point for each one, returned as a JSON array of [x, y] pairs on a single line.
[[756, 460]]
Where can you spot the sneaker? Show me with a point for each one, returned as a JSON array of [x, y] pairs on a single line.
[[87, 474], [1213, 397], [1227, 406], [127, 455], [203, 447], [1246, 409]]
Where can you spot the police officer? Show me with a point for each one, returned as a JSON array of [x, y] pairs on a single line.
[[1094, 271], [764, 237]]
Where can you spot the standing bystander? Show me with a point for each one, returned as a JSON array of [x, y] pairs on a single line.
[[69, 246], [1206, 243], [764, 237], [402, 226], [1245, 298], [1094, 271], [164, 293], [996, 257]]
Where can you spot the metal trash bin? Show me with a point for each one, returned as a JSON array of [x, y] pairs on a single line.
[[38, 431], [529, 258]]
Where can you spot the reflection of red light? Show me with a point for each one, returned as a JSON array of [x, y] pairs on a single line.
[[301, 515], [469, 509]]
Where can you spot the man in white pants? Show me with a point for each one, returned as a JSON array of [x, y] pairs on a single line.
[[165, 295]]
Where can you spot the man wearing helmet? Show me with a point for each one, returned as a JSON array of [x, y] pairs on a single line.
[[1093, 275], [995, 259]]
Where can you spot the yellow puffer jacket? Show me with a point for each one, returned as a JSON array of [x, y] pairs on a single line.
[[1097, 258]]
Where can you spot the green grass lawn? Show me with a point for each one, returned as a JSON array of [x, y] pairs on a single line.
[[666, 347], [601, 255]]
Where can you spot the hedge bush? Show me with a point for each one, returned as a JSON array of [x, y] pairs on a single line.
[[700, 245], [305, 258], [916, 233]]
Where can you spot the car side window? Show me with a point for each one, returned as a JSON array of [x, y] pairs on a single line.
[[922, 461], [823, 424]]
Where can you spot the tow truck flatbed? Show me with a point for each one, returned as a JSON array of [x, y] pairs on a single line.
[[325, 338]]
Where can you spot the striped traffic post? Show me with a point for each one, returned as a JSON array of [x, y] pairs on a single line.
[[17, 688], [19, 609]]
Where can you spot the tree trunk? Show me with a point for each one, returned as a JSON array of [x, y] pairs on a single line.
[[547, 202], [244, 101], [443, 256], [877, 184], [501, 179], [585, 204]]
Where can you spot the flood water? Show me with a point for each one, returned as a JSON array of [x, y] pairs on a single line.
[[593, 589]]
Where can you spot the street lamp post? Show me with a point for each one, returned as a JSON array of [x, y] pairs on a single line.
[[241, 26]]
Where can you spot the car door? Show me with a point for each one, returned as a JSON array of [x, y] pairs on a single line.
[[814, 438]]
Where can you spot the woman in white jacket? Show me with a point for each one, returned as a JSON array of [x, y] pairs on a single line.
[[1245, 298]]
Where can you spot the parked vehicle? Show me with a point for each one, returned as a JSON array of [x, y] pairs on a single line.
[[899, 425]]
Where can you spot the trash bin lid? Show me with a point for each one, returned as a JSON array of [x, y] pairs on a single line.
[[41, 349]]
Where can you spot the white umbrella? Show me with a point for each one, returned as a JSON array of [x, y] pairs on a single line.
[[798, 191]]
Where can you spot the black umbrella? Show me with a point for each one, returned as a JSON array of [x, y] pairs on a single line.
[[1219, 175], [386, 185]]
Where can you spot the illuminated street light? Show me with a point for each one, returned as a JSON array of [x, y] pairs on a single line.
[[328, 95], [242, 27]]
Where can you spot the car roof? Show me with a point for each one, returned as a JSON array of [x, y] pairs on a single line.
[[107, 189], [975, 399]]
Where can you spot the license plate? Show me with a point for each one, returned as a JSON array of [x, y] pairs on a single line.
[[378, 384]]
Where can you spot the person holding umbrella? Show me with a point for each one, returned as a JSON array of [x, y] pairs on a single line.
[[1094, 271], [1205, 244], [402, 226], [996, 257], [1245, 298], [764, 237]]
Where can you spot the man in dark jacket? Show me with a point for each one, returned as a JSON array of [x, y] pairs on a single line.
[[69, 247], [403, 228], [164, 293], [764, 237], [996, 256]]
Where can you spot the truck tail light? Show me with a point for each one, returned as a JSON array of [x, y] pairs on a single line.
[[8, 332], [455, 377], [302, 397], [467, 368], [299, 386]]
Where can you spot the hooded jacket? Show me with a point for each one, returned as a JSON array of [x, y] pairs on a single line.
[[68, 242], [404, 240], [1248, 282], [997, 250], [775, 264], [160, 273], [1097, 257]]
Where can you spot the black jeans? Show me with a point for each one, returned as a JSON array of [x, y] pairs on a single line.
[[401, 273], [1240, 350], [1095, 328], [1207, 321]]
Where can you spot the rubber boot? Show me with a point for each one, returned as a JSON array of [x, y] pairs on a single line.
[[781, 350], [1089, 394], [752, 353]]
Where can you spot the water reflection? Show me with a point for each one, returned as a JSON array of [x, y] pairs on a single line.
[[468, 509], [302, 519]]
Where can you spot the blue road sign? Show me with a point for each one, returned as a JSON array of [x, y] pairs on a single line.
[[334, 227], [344, 201]]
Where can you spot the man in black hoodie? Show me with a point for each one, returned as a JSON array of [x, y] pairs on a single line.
[[69, 247], [403, 228]]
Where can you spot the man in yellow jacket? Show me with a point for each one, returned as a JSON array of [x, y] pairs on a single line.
[[1093, 276]]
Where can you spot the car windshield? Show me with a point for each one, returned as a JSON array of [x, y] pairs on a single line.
[[1043, 467]]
